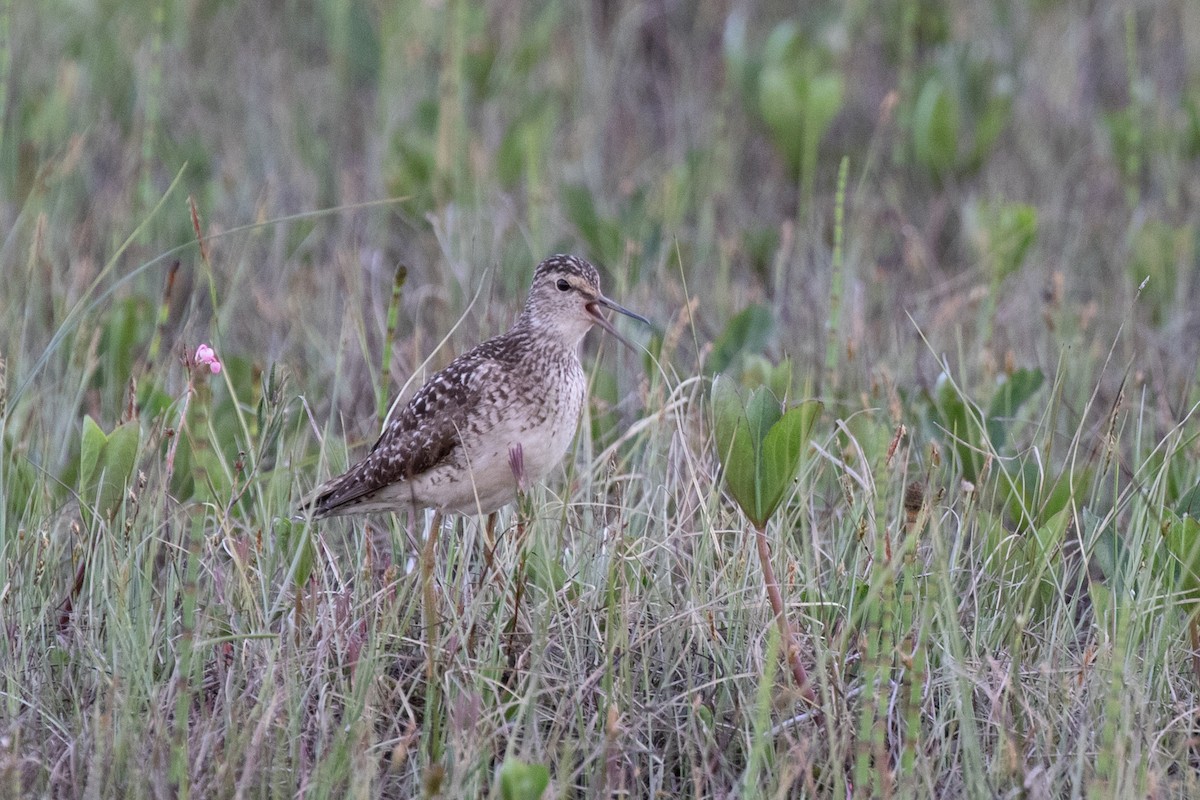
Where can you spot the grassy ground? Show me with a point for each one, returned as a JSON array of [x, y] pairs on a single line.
[[970, 229]]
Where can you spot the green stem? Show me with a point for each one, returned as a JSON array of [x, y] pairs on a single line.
[[833, 326], [393, 318], [430, 609]]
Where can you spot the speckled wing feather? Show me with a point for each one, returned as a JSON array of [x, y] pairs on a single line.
[[422, 436]]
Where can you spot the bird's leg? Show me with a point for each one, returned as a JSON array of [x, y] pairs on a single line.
[[430, 613], [429, 593]]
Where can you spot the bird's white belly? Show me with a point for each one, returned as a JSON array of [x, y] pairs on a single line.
[[514, 442]]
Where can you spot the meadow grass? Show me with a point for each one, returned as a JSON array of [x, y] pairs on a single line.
[[985, 273]]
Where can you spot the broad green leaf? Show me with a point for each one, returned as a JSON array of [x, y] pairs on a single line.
[[759, 371], [936, 127], [762, 411], [297, 548], [989, 127], [824, 102], [747, 332], [547, 572], [782, 450], [1189, 504], [21, 482], [961, 421], [91, 447], [1010, 229], [521, 781], [602, 234], [116, 463], [1048, 538], [1014, 392], [781, 104], [106, 464], [728, 415], [736, 447], [760, 445], [1033, 496], [783, 43], [120, 453], [999, 542], [1183, 542]]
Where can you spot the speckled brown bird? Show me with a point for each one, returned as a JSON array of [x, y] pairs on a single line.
[[516, 397]]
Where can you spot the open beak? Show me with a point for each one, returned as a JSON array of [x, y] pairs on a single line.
[[594, 309]]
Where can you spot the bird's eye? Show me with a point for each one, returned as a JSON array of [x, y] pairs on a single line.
[[562, 285]]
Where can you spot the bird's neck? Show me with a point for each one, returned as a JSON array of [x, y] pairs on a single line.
[[563, 334]]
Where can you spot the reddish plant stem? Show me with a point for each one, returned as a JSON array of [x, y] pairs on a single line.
[[785, 630]]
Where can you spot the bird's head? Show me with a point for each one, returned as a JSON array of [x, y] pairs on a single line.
[[565, 300]]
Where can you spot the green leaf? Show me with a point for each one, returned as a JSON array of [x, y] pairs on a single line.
[[762, 412], [521, 781], [961, 421], [106, 464], [824, 102], [1183, 542], [735, 443], [782, 450], [936, 127], [117, 462], [989, 127], [760, 445], [1033, 496], [758, 371], [89, 452], [748, 332], [1047, 539], [1013, 393], [297, 549], [1189, 503], [120, 453], [602, 235], [1009, 230], [546, 570]]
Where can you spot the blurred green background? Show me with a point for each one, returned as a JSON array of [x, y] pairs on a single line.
[[971, 227], [1020, 177]]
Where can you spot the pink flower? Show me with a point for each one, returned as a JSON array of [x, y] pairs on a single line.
[[205, 356]]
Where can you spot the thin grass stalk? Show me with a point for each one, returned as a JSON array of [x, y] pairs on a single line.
[[837, 278], [186, 665], [163, 316], [910, 611], [1112, 751], [1133, 155], [151, 110], [450, 102], [906, 82], [761, 741], [393, 320], [871, 761], [5, 58], [429, 605]]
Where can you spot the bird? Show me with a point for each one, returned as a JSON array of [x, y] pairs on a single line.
[[497, 418]]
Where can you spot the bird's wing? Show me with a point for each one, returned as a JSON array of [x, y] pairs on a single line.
[[420, 437]]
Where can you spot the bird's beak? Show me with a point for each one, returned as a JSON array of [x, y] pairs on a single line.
[[594, 309]]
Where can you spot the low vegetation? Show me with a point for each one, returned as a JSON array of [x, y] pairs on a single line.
[[899, 499]]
